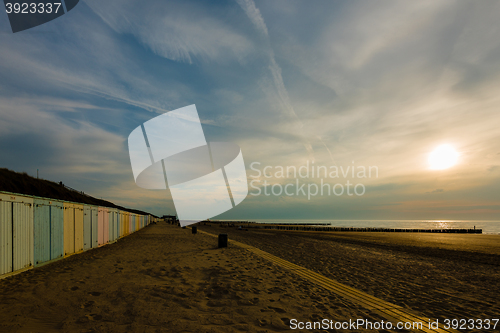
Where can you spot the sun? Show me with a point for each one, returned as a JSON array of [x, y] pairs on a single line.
[[443, 157]]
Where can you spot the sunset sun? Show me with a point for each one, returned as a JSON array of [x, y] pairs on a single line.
[[443, 157]]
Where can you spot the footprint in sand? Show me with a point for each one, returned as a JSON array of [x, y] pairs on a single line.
[[278, 310], [286, 321], [262, 322], [95, 293], [94, 317], [87, 304]]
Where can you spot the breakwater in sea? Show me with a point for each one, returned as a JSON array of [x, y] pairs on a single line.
[[327, 228]]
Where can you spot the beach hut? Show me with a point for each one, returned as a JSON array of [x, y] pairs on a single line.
[[16, 233], [132, 223], [90, 227], [121, 219], [117, 227], [78, 227], [113, 224], [106, 225], [123, 223], [120, 223], [127, 223], [100, 226], [48, 230], [69, 229], [117, 224], [103, 233], [95, 226], [73, 228]]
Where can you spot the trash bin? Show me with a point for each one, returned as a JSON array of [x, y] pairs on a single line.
[[194, 230], [222, 240]]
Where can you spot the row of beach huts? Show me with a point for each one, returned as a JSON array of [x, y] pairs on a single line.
[[35, 231]]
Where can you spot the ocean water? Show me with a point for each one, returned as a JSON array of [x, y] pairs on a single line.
[[489, 227]]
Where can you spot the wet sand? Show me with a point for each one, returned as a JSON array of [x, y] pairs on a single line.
[[164, 279], [437, 275]]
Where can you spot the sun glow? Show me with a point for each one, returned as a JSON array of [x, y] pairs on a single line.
[[443, 157]]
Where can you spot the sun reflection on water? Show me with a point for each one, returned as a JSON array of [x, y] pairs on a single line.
[[443, 224]]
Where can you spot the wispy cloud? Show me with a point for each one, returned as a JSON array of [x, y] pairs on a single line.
[[255, 17], [186, 34]]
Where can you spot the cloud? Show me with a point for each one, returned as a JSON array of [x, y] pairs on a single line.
[[102, 70], [175, 30], [376, 83], [282, 94], [394, 77], [74, 146], [84, 156], [254, 15]]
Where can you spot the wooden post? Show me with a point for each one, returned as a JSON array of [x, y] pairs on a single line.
[[222, 240]]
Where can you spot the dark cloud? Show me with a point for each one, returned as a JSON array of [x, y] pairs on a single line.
[[439, 190]]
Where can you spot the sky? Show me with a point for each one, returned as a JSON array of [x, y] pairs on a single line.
[[339, 84]]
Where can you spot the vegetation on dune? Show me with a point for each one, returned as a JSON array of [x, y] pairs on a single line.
[[22, 183]]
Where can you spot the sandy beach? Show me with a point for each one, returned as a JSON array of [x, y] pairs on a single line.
[[164, 279], [437, 275]]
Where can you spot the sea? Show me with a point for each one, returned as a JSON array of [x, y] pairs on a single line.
[[488, 227]]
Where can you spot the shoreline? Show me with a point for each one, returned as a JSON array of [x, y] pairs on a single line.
[[489, 227], [323, 228]]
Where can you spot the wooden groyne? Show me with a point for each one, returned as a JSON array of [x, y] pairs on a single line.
[[333, 229], [322, 227]]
